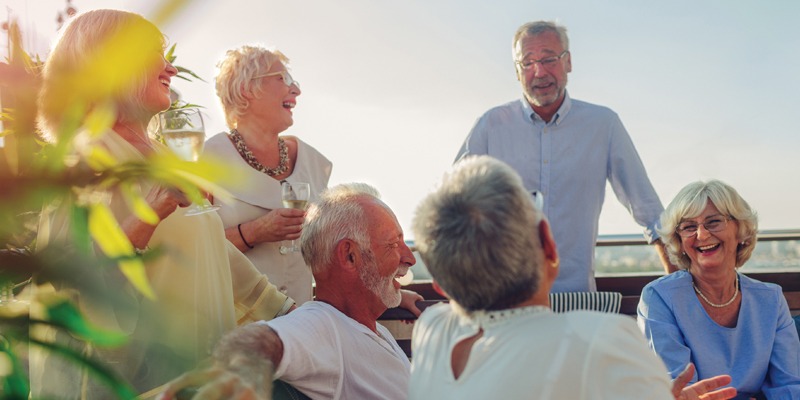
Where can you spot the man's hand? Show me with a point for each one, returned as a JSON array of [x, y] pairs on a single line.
[[702, 390], [408, 300]]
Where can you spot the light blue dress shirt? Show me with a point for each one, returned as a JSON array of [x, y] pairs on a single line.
[[762, 353], [569, 160]]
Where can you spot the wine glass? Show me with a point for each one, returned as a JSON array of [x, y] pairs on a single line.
[[294, 195], [183, 132], [8, 303]]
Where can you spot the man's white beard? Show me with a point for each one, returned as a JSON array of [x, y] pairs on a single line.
[[383, 287]]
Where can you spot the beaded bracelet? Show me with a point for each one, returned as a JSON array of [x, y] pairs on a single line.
[[239, 227]]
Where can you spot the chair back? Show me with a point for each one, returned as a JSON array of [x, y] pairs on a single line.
[[284, 391], [595, 301]]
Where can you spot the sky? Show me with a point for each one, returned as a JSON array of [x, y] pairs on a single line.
[[390, 89]]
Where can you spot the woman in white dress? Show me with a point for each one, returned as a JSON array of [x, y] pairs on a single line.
[[258, 95]]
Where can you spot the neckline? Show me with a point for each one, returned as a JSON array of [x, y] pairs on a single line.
[[722, 305], [241, 147], [483, 318]]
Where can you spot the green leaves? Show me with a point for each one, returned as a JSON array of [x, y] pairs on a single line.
[[15, 383], [61, 313], [137, 203], [182, 72], [77, 171], [118, 385], [112, 240]]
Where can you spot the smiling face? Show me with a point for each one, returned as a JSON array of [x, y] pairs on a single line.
[[275, 100], [711, 250], [544, 86], [156, 97], [388, 257]]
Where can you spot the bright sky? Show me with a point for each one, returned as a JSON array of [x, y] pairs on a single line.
[[391, 88]]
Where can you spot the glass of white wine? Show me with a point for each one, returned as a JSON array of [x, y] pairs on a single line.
[[294, 195], [183, 132]]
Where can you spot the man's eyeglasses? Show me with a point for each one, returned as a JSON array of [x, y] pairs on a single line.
[[287, 78], [714, 223], [547, 62]]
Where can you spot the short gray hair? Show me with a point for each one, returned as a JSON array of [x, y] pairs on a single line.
[[336, 216], [236, 74], [536, 28], [691, 201], [478, 235]]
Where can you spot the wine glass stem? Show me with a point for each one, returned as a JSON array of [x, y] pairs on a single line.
[[7, 292]]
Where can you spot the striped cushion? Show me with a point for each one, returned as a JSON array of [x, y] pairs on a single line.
[[596, 301]]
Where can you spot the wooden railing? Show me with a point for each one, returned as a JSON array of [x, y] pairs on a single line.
[[630, 286]]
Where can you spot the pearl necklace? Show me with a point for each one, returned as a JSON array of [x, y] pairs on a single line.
[[725, 304], [283, 165]]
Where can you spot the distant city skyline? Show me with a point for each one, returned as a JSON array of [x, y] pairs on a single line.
[[391, 89]]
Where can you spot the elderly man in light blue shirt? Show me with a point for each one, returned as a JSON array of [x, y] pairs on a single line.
[[566, 149]]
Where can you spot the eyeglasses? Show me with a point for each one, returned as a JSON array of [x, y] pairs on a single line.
[[547, 62], [714, 223], [287, 78]]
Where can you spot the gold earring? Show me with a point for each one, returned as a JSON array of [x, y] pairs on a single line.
[[555, 263]]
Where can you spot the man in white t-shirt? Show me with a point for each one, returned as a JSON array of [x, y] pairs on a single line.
[[332, 347]]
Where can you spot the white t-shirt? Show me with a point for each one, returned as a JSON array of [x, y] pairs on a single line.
[[530, 352], [328, 355]]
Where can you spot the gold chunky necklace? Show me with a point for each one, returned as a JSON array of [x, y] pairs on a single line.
[[283, 165], [725, 304]]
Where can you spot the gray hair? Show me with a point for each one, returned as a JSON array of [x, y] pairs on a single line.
[[478, 235], [536, 28], [336, 216], [79, 71], [691, 201], [236, 74]]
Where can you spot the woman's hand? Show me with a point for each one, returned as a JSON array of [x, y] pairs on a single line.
[[706, 389], [275, 226], [165, 200]]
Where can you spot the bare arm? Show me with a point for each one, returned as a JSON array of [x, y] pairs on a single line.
[[662, 255], [274, 226], [254, 341], [244, 362], [164, 202]]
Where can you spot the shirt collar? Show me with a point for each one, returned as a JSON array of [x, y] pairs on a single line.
[[560, 114]]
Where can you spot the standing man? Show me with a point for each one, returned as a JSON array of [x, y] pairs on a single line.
[[566, 149]]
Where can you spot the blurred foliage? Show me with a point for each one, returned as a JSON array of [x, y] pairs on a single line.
[[35, 173]]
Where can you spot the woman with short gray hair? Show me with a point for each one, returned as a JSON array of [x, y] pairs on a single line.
[[710, 314]]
